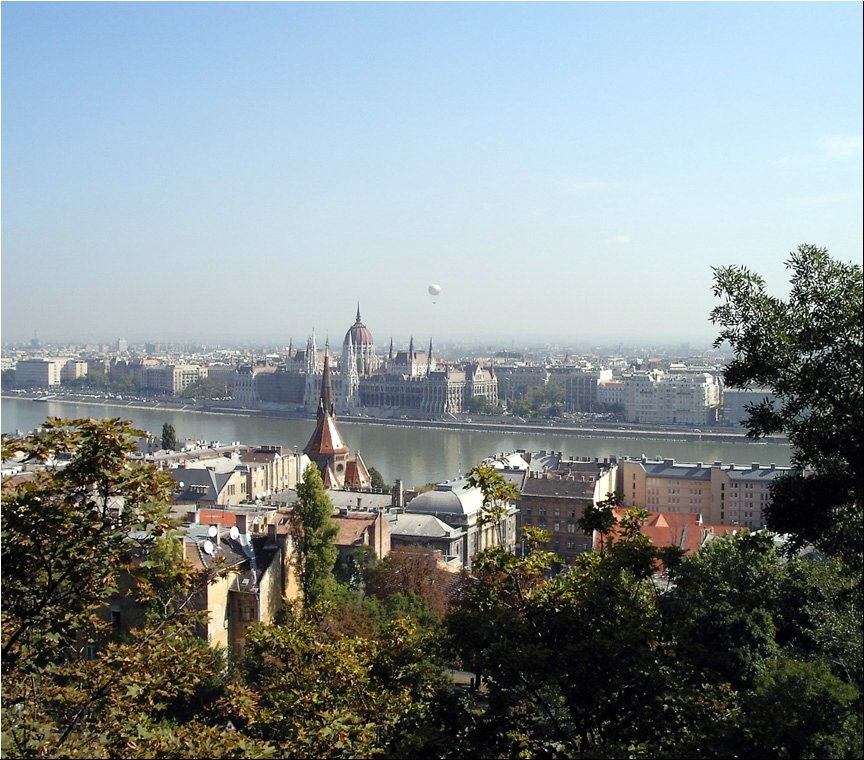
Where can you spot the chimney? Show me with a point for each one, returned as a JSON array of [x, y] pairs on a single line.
[[242, 526], [398, 496]]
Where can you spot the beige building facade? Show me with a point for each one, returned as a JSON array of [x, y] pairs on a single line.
[[723, 494]]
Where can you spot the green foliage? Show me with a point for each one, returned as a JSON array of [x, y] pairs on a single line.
[[540, 401], [498, 495], [66, 533], [89, 531], [540, 642], [378, 482], [596, 662], [353, 569], [414, 571], [800, 709], [205, 388], [482, 405], [169, 437], [808, 351], [600, 517], [310, 693], [314, 538]]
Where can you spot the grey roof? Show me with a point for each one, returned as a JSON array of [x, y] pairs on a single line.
[[753, 473], [229, 550], [672, 470], [214, 483], [564, 488], [450, 498], [421, 526], [367, 500]]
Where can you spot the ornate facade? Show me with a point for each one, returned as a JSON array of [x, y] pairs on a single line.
[[406, 381]]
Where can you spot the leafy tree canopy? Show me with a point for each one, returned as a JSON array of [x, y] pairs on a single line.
[[808, 351], [315, 536]]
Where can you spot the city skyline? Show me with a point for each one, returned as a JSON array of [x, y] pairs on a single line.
[[246, 171]]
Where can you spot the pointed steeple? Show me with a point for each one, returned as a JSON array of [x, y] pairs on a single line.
[[390, 353], [411, 349], [429, 359], [358, 312], [325, 405]]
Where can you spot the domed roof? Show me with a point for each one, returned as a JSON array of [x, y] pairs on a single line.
[[451, 498], [359, 333]]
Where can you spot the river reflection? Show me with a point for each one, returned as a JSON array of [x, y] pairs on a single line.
[[417, 455]]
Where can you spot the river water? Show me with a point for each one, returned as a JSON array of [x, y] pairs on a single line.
[[417, 455]]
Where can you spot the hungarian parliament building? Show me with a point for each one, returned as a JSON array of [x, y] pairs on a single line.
[[408, 381]]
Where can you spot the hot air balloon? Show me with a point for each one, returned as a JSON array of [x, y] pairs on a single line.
[[434, 291]]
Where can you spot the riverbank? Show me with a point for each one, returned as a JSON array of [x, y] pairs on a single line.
[[505, 425]]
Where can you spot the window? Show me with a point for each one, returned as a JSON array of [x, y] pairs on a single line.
[[115, 616]]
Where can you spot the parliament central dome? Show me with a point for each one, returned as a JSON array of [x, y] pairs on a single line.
[[359, 334]]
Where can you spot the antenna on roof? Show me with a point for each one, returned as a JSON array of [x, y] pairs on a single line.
[[234, 533], [208, 547], [212, 531]]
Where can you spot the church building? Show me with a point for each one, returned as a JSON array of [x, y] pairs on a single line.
[[327, 449]]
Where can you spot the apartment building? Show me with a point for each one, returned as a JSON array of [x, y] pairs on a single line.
[[722, 494], [580, 389], [39, 373], [554, 498], [172, 379], [73, 369], [665, 399]]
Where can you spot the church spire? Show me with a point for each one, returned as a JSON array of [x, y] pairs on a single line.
[[358, 312], [325, 406]]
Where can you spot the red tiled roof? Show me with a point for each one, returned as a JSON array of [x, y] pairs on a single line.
[[352, 528]]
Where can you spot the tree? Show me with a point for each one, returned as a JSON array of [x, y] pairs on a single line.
[[600, 517], [314, 536], [169, 437], [66, 532], [497, 497], [378, 482], [808, 351], [74, 685], [310, 692], [411, 570]]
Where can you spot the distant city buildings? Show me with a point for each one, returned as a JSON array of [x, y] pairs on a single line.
[[654, 388]]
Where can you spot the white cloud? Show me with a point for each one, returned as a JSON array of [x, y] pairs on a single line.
[[787, 161], [826, 199], [618, 240], [830, 148], [841, 147]]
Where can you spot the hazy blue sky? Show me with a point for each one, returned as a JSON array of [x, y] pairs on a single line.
[[572, 168]]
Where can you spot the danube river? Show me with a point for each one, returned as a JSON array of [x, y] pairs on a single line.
[[417, 455]]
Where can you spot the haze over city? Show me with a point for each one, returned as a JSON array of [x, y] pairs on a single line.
[[253, 171]]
